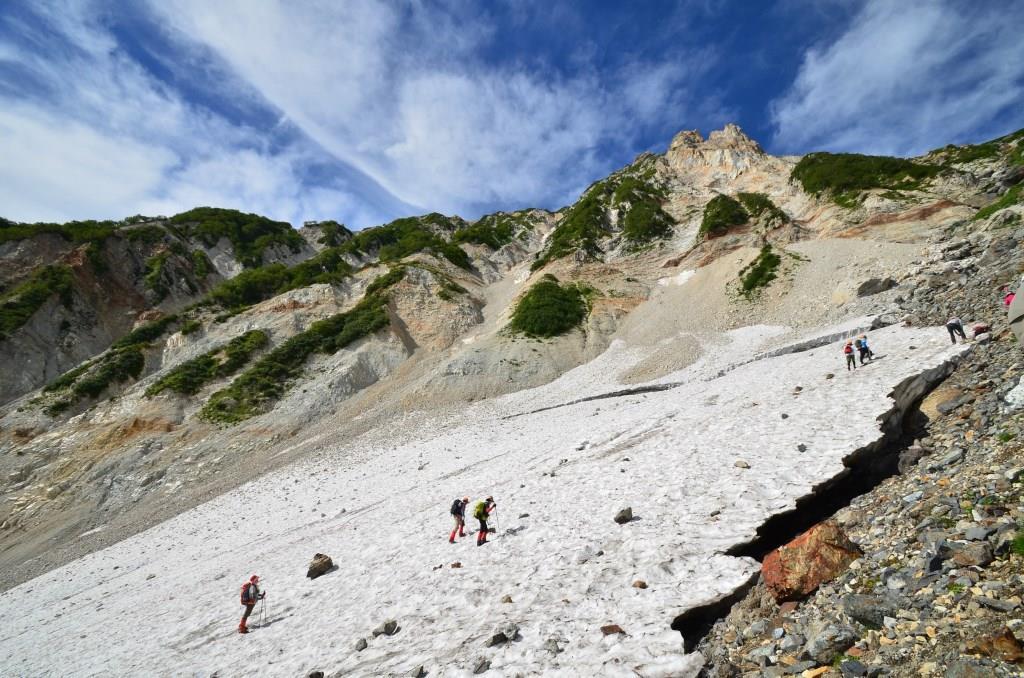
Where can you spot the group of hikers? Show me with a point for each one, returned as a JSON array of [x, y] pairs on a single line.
[[858, 346], [251, 593], [482, 511], [855, 347]]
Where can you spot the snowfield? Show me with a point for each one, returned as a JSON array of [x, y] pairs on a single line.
[[165, 602]]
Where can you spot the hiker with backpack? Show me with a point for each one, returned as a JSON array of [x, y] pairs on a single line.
[[251, 594], [458, 512], [851, 358], [955, 327], [482, 511], [861, 344]]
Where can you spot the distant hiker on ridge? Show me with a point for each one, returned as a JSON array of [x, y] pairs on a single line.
[[250, 594], [481, 512], [851, 358], [459, 514], [955, 327]]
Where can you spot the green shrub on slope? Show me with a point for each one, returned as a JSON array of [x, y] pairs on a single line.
[[155, 279], [633, 192], [841, 174], [721, 213], [760, 206], [21, 303], [409, 235], [549, 309], [146, 333], [256, 389], [189, 377], [760, 271], [495, 230], [266, 381], [249, 234], [1009, 198], [75, 231]]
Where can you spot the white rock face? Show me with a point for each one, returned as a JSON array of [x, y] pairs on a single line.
[[380, 507]]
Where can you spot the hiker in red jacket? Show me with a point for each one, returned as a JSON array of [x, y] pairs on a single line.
[[250, 594], [851, 357]]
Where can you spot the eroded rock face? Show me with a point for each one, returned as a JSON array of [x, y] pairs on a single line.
[[817, 556]]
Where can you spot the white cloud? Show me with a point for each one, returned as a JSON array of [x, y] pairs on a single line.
[[382, 109], [906, 77], [405, 99], [56, 170], [96, 136]]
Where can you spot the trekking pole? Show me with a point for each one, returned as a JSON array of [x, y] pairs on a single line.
[[263, 612], [496, 525]]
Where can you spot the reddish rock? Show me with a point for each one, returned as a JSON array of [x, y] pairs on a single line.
[[795, 570], [612, 629], [1001, 645]]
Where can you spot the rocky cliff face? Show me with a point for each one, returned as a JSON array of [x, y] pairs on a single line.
[[116, 276], [218, 346]]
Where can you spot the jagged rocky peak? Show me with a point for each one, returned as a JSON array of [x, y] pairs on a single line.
[[728, 150], [730, 137]]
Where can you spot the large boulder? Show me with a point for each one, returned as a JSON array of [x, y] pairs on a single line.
[[795, 570], [321, 564], [875, 286]]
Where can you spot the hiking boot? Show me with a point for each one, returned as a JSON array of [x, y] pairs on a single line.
[[242, 628]]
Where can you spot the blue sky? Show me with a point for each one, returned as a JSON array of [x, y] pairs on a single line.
[[363, 112]]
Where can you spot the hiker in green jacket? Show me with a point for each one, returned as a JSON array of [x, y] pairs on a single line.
[[481, 512]]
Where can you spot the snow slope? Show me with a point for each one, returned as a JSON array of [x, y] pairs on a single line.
[[165, 601]]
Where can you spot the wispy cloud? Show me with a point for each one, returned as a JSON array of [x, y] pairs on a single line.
[[905, 77], [87, 132], [406, 98]]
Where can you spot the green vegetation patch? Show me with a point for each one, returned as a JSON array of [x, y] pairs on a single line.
[[495, 230], [580, 228], [93, 378], [250, 287], [190, 327], [760, 206], [149, 234], [639, 199], [953, 154], [549, 308], [841, 174], [75, 231], [254, 285], [720, 214], [402, 237], [146, 333], [20, 304], [760, 272], [201, 264], [642, 218], [189, 377], [156, 278], [249, 234], [383, 282], [332, 233], [256, 389], [1011, 197]]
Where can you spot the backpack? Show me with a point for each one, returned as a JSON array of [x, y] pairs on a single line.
[[457, 507], [848, 349], [859, 344], [248, 596], [480, 512]]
